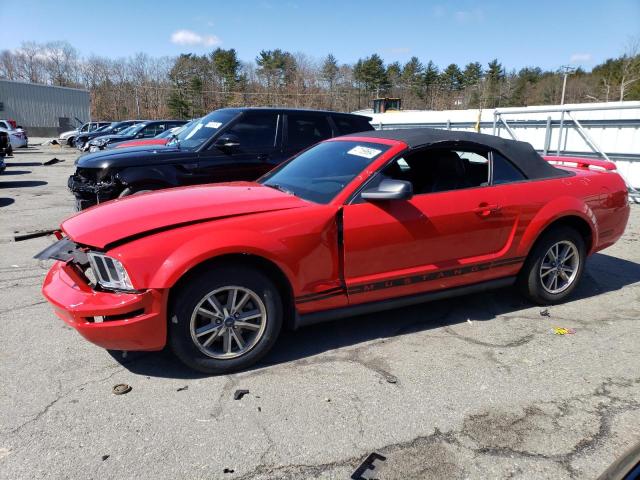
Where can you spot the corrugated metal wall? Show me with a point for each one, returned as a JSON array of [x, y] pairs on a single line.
[[42, 109]]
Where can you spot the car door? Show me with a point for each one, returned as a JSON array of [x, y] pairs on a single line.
[[256, 135], [446, 235], [303, 129]]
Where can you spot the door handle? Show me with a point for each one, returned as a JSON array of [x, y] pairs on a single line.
[[485, 209]]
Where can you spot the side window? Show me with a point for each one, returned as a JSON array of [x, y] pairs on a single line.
[[255, 130], [348, 125], [436, 170], [503, 171], [304, 130]]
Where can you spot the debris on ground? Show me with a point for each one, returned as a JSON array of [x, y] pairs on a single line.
[[391, 379], [259, 409], [239, 394], [121, 389], [327, 399], [469, 321], [545, 313], [368, 464], [186, 387], [53, 161], [104, 457], [563, 331], [52, 142], [228, 470], [34, 234]]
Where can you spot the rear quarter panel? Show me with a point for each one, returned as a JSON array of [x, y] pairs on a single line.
[[599, 198]]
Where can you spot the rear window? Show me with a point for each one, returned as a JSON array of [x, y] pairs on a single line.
[[304, 130], [348, 125]]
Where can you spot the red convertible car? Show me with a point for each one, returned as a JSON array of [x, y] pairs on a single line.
[[355, 224]]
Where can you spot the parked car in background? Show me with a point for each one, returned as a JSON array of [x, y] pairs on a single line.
[[140, 130], [17, 135], [5, 144], [161, 139], [357, 224], [68, 138], [82, 140], [17, 139], [227, 144]]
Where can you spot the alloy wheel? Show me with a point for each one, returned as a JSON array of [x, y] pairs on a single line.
[[559, 267], [228, 322]]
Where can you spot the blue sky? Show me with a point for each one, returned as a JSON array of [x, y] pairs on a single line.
[[519, 33]]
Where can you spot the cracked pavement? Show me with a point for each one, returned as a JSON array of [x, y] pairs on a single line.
[[474, 387]]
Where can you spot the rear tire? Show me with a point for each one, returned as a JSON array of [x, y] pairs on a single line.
[[554, 266], [203, 332]]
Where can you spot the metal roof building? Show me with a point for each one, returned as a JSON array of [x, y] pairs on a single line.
[[44, 110]]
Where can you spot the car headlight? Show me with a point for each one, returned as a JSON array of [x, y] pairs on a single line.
[[109, 272]]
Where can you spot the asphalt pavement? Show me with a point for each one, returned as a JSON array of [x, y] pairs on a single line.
[[478, 387]]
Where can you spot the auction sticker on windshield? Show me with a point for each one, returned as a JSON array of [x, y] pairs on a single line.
[[213, 124], [365, 152]]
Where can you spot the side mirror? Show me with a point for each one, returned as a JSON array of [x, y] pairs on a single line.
[[390, 190], [227, 141]]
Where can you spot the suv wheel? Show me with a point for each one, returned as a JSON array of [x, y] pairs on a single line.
[[225, 319], [554, 266]]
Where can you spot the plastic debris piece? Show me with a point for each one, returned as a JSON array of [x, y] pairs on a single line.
[[239, 394], [563, 331], [228, 470], [545, 313], [259, 409], [186, 387], [121, 389], [104, 457], [52, 161], [391, 379]]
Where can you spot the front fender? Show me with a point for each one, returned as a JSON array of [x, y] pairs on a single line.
[[165, 175], [556, 209], [198, 250]]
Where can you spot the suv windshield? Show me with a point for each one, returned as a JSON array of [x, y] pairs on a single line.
[[132, 130], [203, 129], [320, 173]]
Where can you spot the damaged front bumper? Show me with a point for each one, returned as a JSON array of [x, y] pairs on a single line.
[[90, 192], [115, 320]]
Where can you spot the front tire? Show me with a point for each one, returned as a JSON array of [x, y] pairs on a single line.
[[554, 266], [225, 319]]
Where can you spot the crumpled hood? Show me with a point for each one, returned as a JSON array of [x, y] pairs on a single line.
[[147, 213]]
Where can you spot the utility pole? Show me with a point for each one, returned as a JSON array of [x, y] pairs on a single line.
[[568, 70]]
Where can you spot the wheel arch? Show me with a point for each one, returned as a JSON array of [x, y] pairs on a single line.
[[576, 222], [264, 265]]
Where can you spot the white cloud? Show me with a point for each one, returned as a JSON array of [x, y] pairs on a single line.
[[580, 58], [468, 16], [187, 37]]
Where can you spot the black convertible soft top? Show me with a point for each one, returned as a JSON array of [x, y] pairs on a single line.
[[522, 154]]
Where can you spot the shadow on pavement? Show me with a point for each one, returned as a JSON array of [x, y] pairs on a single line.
[[24, 183], [604, 273], [6, 201], [16, 172]]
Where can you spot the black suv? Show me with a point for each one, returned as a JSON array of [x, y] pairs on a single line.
[[228, 144]]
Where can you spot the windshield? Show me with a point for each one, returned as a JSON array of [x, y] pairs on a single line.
[[103, 128], [320, 173], [176, 130], [204, 128], [132, 130]]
